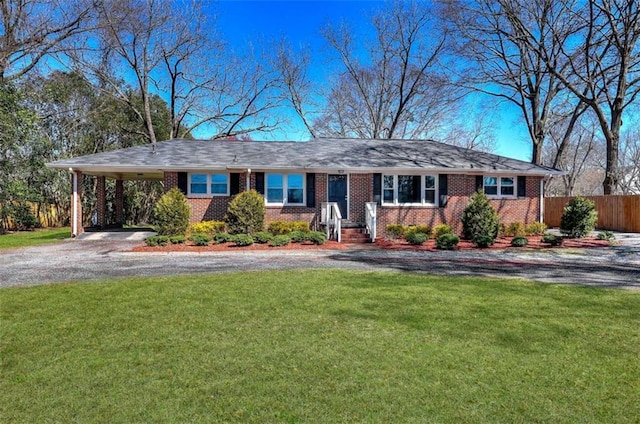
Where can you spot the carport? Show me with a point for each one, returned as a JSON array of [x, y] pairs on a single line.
[[101, 174]]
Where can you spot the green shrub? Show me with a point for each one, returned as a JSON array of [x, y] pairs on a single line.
[[151, 241], [301, 226], [514, 229], [298, 236], [242, 240], [208, 227], [396, 231], [447, 241], [551, 239], [606, 235], [483, 241], [245, 213], [200, 239], [416, 239], [177, 239], [578, 218], [171, 214], [535, 229], [278, 228], [441, 229], [281, 240], [157, 241], [479, 218], [417, 229], [22, 216], [317, 237], [220, 238], [519, 241], [262, 237]]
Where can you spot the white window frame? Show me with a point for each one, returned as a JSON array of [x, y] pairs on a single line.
[[423, 189], [285, 188], [209, 182], [499, 194]]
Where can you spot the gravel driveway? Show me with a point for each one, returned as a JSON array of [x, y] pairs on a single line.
[[75, 260]]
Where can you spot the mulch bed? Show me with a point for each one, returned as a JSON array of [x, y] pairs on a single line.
[[230, 247], [500, 243], [430, 245]]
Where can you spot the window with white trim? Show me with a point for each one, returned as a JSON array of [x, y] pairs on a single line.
[[201, 184], [285, 189], [416, 190], [499, 186]]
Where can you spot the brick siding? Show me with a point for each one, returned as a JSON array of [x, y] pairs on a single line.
[[460, 188]]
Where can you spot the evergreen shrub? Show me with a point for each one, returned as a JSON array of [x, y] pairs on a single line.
[[245, 213], [171, 214], [447, 241], [578, 218], [479, 218]]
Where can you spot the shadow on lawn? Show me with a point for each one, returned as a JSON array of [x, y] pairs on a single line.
[[588, 274]]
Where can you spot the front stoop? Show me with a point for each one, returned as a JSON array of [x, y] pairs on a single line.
[[355, 235]]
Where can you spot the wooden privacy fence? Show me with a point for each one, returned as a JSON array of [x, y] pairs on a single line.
[[616, 213]]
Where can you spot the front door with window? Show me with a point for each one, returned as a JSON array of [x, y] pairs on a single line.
[[337, 192]]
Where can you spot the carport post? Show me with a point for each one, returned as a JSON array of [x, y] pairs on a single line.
[[76, 203], [101, 201], [119, 202]]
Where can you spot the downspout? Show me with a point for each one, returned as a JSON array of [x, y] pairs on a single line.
[[247, 186], [74, 207]]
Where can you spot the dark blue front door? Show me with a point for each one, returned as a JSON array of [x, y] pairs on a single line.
[[338, 192]]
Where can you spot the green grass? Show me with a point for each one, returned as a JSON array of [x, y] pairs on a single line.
[[33, 238], [319, 346]]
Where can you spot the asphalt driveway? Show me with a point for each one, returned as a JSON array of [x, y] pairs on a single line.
[[79, 260]]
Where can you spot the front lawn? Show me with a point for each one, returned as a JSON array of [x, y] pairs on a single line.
[[32, 238], [319, 346]]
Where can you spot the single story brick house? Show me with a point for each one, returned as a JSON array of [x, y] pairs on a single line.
[[352, 182]]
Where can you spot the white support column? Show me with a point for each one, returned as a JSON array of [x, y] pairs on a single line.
[[541, 200], [74, 204]]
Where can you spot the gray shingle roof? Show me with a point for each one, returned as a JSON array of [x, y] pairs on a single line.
[[320, 154]]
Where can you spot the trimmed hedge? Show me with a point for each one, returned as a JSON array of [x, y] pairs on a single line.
[[447, 241], [416, 239], [200, 239], [278, 228], [242, 240], [317, 237], [281, 240], [482, 241], [441, 229], [535, 229], [395, 231], [262, 237], [551, 239], [208, 227], [519, 241]]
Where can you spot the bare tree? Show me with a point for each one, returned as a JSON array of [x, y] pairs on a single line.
[[496, 36], [33, 29], [400, 89], [474, 130], [168, 49], [603, 67], [629, 179], [296, 85], [576, 152]]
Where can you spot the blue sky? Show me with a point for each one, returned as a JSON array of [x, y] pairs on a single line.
[[300, 22]]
